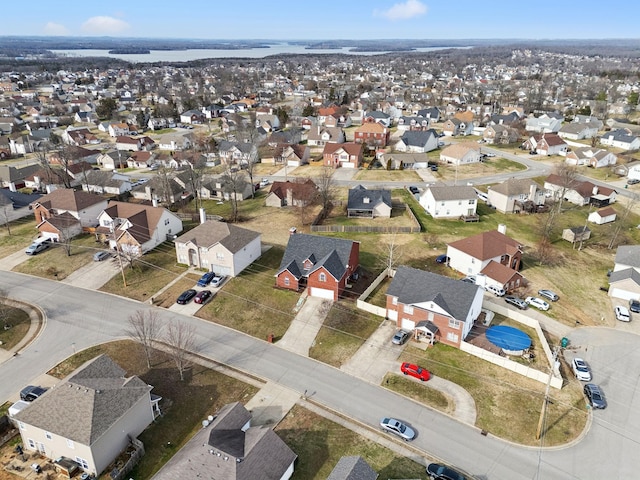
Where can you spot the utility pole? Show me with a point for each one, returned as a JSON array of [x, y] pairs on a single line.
[[545, 401]]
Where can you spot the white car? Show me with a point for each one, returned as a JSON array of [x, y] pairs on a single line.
[[538, 303], [622, 314], [581, 370], [497, 291]]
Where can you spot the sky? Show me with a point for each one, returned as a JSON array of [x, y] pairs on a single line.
[[325, 19]]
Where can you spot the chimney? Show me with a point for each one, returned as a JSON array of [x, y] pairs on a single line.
[[154, 201], [532, 191], [502, 228], [594, 191], [203, 216]]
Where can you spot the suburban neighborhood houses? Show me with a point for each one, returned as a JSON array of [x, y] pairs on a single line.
[[290, 266]]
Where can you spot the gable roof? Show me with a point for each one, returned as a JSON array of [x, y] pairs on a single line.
[[212, 232], [67, 199], [417, 138], [413, 286], [515, 186], [628, 255], [62, 221], [299, 190], [352, 148], [357, 196], [459, 192], [352, 468], [627, 273], [487, 245], [459, 150], [87, 403], [144, 218], [331, 253], [499, 272]]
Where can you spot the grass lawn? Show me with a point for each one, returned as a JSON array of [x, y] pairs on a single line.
[[388, 175], [23, 231], [250, 303], [320, 443], [170, 295], [508, 405], [490, 166], [343, 332], [184, 404], [14, 325], [157, 268], [418, 391]]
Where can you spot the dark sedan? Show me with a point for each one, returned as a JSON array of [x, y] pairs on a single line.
[[202, 297], [437, 471], [595, 396], [206, 279], [186, 296]]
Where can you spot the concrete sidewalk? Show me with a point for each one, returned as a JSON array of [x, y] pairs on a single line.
[[10, 261], [301, 334]]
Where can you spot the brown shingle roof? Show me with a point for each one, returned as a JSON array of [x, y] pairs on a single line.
[[499, 272], [67, 199], [144, 218], [487, 245], [351, 148]]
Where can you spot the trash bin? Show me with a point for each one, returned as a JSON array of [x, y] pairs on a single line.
[[564, 342], [270, 338]]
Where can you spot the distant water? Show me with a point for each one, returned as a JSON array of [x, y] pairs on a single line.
[[188, 55]]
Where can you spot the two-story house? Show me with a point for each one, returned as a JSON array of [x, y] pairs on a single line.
[[516, 195], [345, 155], [449, 202]]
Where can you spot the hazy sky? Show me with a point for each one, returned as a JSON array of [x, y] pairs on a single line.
[[326, 19]]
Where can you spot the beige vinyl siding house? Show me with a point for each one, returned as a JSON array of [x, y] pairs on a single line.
[[449, 202]]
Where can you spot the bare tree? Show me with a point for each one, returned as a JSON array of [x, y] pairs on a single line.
[[165, 194], [5, 309], [233, 184], [6, 207], [390, 253], [568, 175], [195, 179], [181, 339], [326, 188], [622, 221], [145, 328]]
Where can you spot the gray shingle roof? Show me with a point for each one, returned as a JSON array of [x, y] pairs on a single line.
[[417, 138], [87, 403], [619, 275], [352, 468], [460, 192], [413, 286], [358, 194], [210, 233], [628, 255]]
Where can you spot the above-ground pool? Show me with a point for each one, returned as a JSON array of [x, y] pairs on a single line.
[[509, 339]]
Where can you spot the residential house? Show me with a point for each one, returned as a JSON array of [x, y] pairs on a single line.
[[128, 143], [295, 194], [376, 116], [545, 123], [344, 155], [112, 159], [90, 417], [366, 203], [323, 264], [237, 153], [593, 157], [580, 193], [602, 216], [546, 144], [461, 153], [192, 117], [105, 183], [372, 134], [578, 131], [633, 171], [417, 141], [85, 117], [621, 138], [175, 141], [82, 205], [432, 305], [48, 179], [229, 448], [505, 119], [23, 144], [432, 113], [516, 195], [74, 155], [319, 136], [160, 123], [60, 228], [403, 161], [140, 160], [413, 123], [292, 155], [449, 202], [576, 234], [79, 137], [500, 135], [624, 281], [134, 228], [119, 129], [589, 120], [14, 178], [455, 127], [352, 468], [160, 189]]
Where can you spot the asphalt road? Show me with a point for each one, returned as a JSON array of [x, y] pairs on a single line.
[[78, 318]]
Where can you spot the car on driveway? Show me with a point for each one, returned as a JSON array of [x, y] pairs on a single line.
[[437, 471], [516, 302], [442, 259], [206, 279], [595, 396], [37, 247], [634, 306], [396, 427], [548, 294], [469, 279], [420, 373], [538, 303], [497, 291], [101, 255], [622, 313], [202, 296], [217, 280], [186, 296], [400, 337], [580, 369], [31, 392]]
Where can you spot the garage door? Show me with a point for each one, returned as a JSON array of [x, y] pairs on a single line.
[[348, 165], [408, 324], [623, 294], [321, 293]]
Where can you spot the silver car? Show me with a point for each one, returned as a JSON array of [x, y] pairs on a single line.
[[396, 427]]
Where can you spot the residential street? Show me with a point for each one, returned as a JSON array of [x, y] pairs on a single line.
[[77, 318]]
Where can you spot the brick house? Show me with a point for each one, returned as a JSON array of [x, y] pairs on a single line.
[[372, 133], [322, 264], [82, 205], [345, 155]]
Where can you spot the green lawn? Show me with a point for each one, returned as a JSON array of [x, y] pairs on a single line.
[[17, 236], [14, 325], [418, 391]]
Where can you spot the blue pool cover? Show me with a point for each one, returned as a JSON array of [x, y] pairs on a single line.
[[508, 338]]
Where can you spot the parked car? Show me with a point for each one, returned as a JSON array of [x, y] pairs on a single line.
[[595, 396], [31, 392], [396, 427], [186, 296], [400, 337], [217, 280], [634, 306], [414, 190], [264, 182], [622, 313], [497, 291], [101, 255], [469, 279], [516, 302], [548, 294], [202, 296], [437, 471], [633, 181], [580, 369], [420, 373], [538, 303], [37, 247], [442, 259], [206, 279]]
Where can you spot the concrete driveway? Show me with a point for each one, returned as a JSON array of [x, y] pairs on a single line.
[[376, 356], [95, 274], [10, 261]]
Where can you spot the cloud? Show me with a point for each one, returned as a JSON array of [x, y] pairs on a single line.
[[52, 28], [403, 11], [103, 25]]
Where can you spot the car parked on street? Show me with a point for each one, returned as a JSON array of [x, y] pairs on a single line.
[[516, 302], [396, 427], [206, 279], [538, 303], [634, 306], [633, 181], [217, 280], [31, 392], [594, 395], [400, 337], [420, 373], [548, 294], [437, 471], [580, 369], [202, 296], [622, 313], [186, 296], [101, 255]]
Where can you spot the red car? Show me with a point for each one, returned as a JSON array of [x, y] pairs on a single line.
[[202, 296], [415, 371]]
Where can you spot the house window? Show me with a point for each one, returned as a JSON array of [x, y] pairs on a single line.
[[83, 463], [322, 277], [220, 256], [48, 435], [452, 337], [471, 202], [166, 222], [408, 309], [394, 300], [22, 426], [32, 444], [286, 281], [70, 443], [453, 323], [430, 316]]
